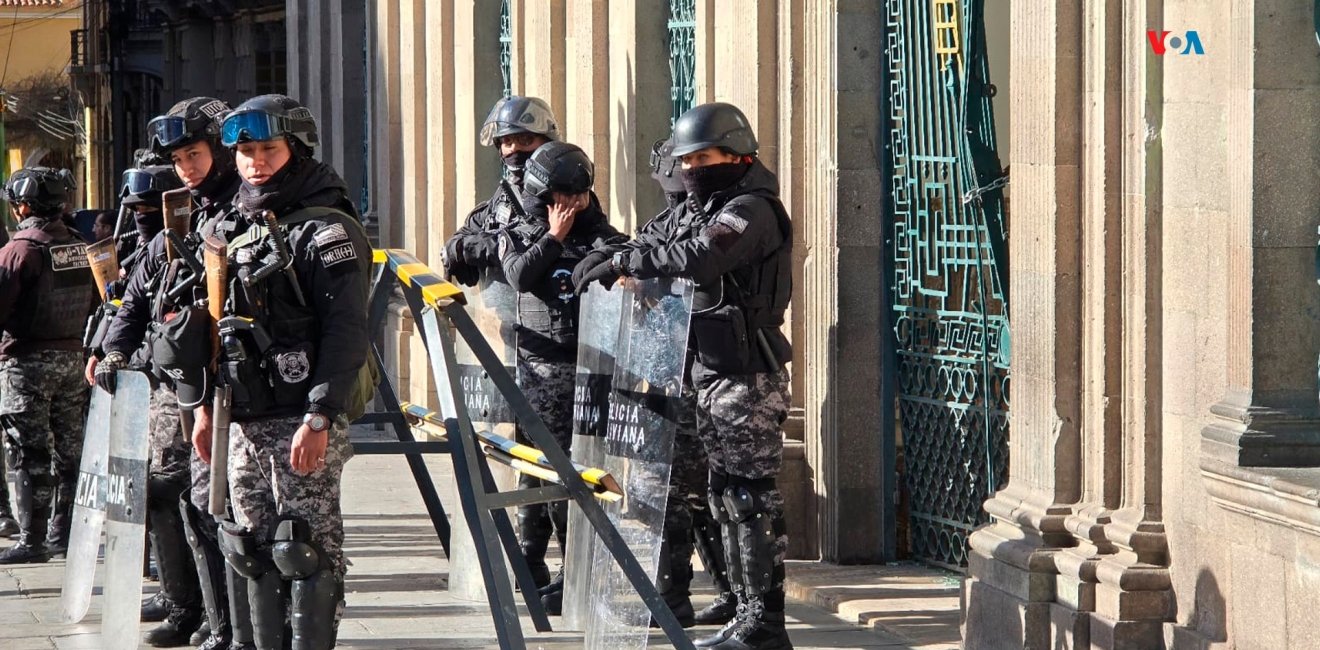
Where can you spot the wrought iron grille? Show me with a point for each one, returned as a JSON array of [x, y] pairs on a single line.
[[949, 264], [682, 56], [506, 47]]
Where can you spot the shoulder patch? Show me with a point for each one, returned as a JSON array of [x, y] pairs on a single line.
[[212, 109], [733, 221], [329, 235], [506, 242], [69, 257], [338, 254]]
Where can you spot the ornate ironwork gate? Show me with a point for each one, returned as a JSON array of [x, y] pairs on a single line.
[[948, 269], [682, 26]]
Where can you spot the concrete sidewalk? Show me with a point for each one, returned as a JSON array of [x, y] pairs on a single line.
[[397, 599]]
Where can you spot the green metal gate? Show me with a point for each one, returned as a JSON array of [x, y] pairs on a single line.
[[947, 274]]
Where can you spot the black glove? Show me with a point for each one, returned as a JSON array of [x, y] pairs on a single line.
[[605, 273], [465, 275], [482, 249], [587, 263], [106, 369]]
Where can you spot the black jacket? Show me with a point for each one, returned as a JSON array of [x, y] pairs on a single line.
[[474, 248], [540, 268], [46, 288], [318, 348], [737, 249]]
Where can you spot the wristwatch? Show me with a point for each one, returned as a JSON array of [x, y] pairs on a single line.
[[617, 263], [316, 422]]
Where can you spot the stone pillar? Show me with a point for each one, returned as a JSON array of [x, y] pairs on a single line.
[[1102, 191], [587, 85], [478, 86], [440, 90], [542, 42], [704, 52], [414, 116], [1011, 563], [839, 224], [795, 147], [639, 108], [744, 44], [1269, 416], [386, 130]]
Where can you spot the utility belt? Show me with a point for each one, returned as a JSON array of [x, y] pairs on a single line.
[[266, 379]]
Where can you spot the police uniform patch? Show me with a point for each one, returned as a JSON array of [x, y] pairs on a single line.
[[293, 366], [212, 109], [69, 257], [339, 253], [733, 221], [330, 234], [506, 242]]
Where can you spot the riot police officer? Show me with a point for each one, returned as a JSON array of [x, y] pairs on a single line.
[[737, 250], [560, 223], [292, 362], [516, 126], [46, 294], [188, 135]]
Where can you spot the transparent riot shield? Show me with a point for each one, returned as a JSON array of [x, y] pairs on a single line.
[[125, 510], [492, 305], [598, 336], [88, 510], [643, 418]]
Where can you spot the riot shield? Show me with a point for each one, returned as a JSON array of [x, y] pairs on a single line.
[[125, 510], [598, 336], [643, 418], [88, 510], [492, 305]]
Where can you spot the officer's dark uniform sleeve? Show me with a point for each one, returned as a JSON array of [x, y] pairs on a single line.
[[456, 262], [337, 282], [525, 264], [19, 267], [743, 231], [129, 325]]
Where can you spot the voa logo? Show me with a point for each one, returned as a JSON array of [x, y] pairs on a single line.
[[1188, 43]]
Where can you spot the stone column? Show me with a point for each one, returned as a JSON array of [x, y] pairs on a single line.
[[587, 85], [840, 343], [386, 129], [414, 116], [1011, 563], [543, 33], [478, 86], [1102, 191], [440, 90], [704, 51], [744, 46], [639, 108]]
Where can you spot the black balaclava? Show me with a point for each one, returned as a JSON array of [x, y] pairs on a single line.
[[222, 181], [702, 182], [148, 224]]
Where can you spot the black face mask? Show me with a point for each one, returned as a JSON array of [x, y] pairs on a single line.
[[148, 224], [702, 182], [516, 161]]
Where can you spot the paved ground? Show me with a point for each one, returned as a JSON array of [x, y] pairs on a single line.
[[397, 599]]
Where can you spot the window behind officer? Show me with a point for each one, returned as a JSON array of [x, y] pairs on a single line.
[[561, 223], [738, 253], [46, 293], [516, 126], [295, 374]]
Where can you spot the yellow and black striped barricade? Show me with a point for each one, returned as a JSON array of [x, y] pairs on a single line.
[[439, 308]]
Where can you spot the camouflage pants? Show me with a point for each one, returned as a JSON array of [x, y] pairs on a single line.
[[739, 419], [199, 493], [263, 488], [169, 447], [687, 478], [43, 410], [549, 387]]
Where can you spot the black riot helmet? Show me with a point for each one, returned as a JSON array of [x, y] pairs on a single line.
[[558, 167], [145, 185], [267, 117], [44, 189], [188, 121], [519, 114], [664, 167], [713, 125]]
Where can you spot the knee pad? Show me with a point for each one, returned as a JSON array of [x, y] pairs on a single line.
[[715, 495], [293, 551], [242, 551]]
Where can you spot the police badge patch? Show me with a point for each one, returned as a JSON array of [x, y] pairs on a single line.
[[330, 234], [293, 366], [69, 257], [339, 253]]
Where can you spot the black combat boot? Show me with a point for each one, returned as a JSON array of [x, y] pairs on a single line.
[[552, 595], [759, 628], [758, 528], [174, 561], [674, 578], [155, 608], [709, 541], [32, 521], [57, 540], [534, 530], [8, 525]]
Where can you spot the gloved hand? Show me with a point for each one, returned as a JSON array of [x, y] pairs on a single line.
[[482, 249], [605, 273], [105, 371], [587, 263]]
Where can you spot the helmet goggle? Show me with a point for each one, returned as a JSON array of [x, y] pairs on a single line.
[[253, 126], [23, 190], [167, 131], [138, 182]]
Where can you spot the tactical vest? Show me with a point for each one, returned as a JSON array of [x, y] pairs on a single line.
[[62, 295], [548, 314]]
